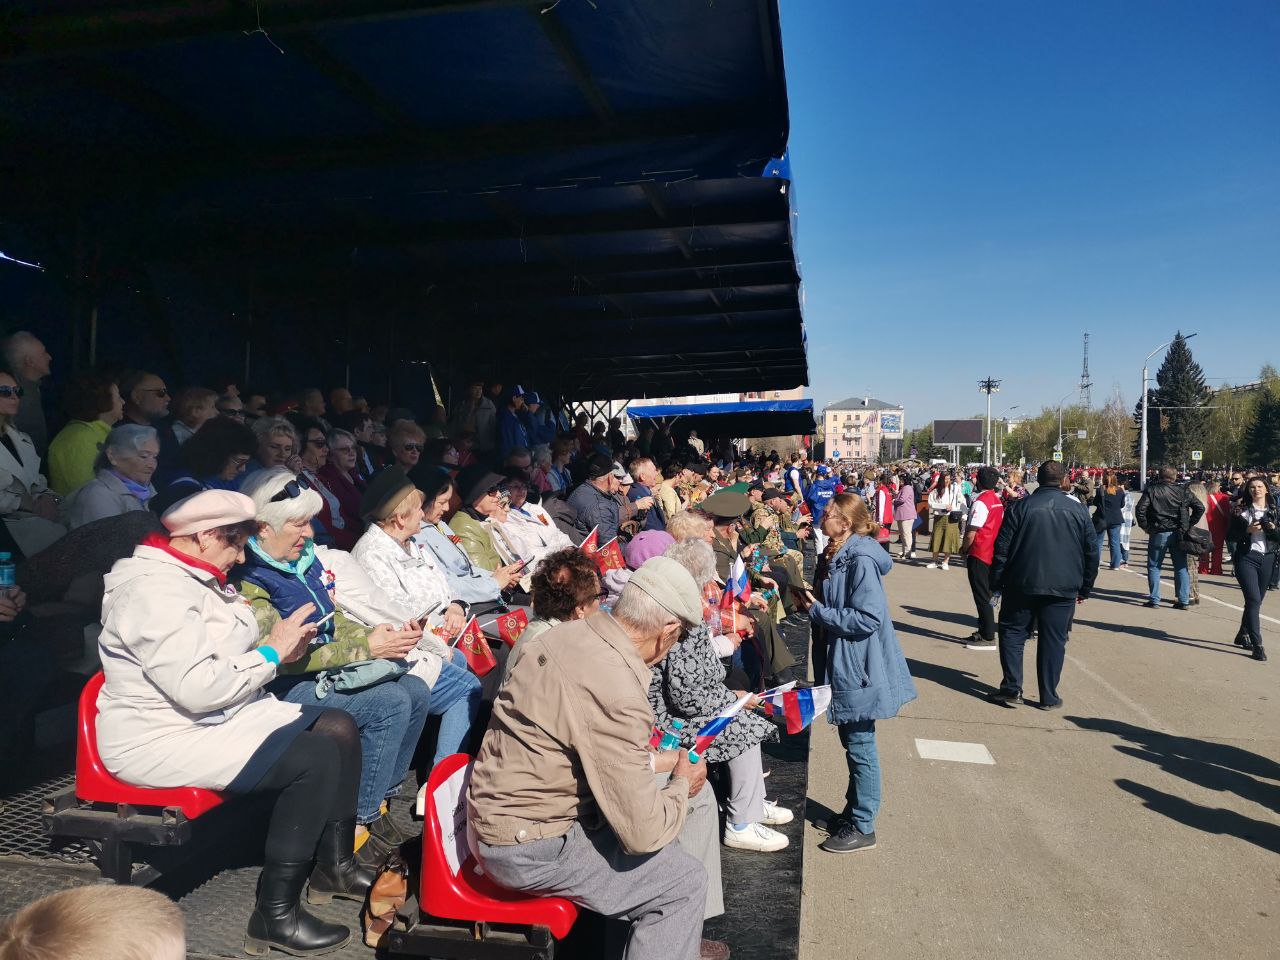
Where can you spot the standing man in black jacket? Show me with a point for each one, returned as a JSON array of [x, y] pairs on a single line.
[[1167, 508], [1045, 562]]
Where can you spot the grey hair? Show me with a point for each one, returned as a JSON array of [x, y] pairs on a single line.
[[127, 438], [261, 486], [697, 557], [337, 433], [265, 427], [643, 614], [16, 346], [689, 525]]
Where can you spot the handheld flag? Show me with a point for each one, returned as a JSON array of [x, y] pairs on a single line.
[[591, 545], [609, 557], [476, 649], [714, 727], [800, 707], [511, 625], [739, 584]]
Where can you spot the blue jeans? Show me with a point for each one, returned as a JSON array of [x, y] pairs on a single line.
[[1158, 544], [390, 718], [862, 798], [455, 699], [1113, 534]]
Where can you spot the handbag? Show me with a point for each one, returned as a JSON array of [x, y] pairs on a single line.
[[388, 894], [955, 516], [1195, 542], [359, 675]]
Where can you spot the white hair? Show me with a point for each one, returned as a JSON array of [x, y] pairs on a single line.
[[126, 438], [697, 557], [641, 612], [261, 486], [16, 347], [689, 524]]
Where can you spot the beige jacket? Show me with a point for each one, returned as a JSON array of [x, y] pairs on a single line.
[[567, 741]]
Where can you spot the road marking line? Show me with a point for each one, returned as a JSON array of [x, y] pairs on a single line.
[[1205, 596], [1133, 705], [954, 750]]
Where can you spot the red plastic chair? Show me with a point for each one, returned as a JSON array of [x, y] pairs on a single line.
[[94, 783], [468, 894]]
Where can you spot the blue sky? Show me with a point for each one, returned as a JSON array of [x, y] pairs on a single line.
[[979, 183]]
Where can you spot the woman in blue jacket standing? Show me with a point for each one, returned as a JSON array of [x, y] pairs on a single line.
[[864, 665]]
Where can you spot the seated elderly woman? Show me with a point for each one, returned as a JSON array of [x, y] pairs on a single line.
[[29, 509], [123, 480], [405, 441], [281, 573], [689, 685], [528, 528], [330, 523], [342, 478], [412, 580], [478, 521], [184, 704], [278, 445]]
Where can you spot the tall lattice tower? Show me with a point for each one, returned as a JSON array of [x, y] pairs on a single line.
[[1086, 395]]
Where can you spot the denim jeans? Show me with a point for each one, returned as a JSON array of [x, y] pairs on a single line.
[[1117, 554], [1158, 544], [390, 718], [455, 699], [862, 798]]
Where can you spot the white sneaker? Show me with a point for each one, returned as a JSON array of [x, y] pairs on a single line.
[[775, 816], [754, 836], [911, 555], [931, 566], [945, 565]]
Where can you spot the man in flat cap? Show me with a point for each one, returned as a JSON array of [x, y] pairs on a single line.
[[563, 800], [594, 499]]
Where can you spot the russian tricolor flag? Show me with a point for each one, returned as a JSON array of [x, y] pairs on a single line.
[[739, 584], [714, 727], [798, 706]]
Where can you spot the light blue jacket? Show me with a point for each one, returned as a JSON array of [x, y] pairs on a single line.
[[466, 580], [865, 666]]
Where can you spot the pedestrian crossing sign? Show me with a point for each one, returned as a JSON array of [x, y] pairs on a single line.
[[1197, 454], [1057, 454]]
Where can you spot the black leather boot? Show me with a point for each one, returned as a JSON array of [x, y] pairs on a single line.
[[337, 874], [385, 837], [280, 921]]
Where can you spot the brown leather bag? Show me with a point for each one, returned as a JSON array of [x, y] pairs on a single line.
[[387, 895]]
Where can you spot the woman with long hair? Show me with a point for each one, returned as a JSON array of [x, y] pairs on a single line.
[[1255, 532], [1109, 502], [863, 662], [946, 513]]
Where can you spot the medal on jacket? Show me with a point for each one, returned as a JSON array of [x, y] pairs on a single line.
[[330, 581]]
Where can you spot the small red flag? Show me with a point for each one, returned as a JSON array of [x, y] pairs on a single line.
[[476, 649], [511, 625], [609, 557], [591, 545]]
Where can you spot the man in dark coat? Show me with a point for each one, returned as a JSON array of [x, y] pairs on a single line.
[[1045, 562]]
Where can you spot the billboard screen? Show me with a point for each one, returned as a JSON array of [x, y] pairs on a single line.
[[962, 433], [891, 422]]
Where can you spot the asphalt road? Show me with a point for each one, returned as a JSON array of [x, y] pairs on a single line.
[[1141, 821]]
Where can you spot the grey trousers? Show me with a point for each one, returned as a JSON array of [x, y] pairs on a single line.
[[700, 838], [745, 802], [662, 893]]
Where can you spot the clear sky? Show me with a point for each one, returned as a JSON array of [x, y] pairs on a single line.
[[979, 182]]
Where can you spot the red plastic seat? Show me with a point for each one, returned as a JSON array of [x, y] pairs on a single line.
[[94, 783], [467, 894]]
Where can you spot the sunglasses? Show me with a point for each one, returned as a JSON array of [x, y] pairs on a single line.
[[158, 391], [416, 447], [322, 443], [7, 391], [293, 488]]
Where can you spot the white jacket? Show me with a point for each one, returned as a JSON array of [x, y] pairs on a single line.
[[183, 704], [941, 503], [534, 534]]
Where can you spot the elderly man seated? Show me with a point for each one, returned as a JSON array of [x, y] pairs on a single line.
[[593, 501], [563, 800]]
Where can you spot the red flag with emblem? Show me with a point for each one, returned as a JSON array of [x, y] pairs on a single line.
[[476, 649], [511, 625], [609, 557], [591, 545]]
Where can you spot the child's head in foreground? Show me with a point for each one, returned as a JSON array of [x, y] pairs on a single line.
[[99, 922]]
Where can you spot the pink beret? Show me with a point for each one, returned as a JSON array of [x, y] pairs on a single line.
[[649, 543], [206, 511]]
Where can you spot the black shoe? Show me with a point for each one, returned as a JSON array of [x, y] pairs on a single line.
[[977, 641], [280, 921], [837, 823], [1006, 698], [1180, 606], [1243, 639], [384, 839], [1056, 705], [1151, 604], [848, 840], [1259, 654], [337, 873]]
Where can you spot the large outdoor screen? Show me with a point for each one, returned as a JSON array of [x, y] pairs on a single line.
[[962, 433]]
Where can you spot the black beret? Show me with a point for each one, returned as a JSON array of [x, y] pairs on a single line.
[[477, 480], [384, 493], [598, 465]]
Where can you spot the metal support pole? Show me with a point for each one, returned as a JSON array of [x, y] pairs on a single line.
[[1142, 435]]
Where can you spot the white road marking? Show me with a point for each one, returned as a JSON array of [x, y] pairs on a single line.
[[954, 750], [1205, 596]]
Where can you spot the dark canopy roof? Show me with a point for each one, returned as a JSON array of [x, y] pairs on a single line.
[[582, 195], [745, 418]]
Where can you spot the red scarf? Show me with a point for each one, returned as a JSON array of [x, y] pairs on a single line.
[[160, 542]]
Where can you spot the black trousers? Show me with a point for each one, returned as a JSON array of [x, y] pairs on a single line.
[[1253, 573], [316, 779], [980, 585], [1017, 612]]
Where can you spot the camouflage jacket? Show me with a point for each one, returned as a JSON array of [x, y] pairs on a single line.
[[350, 639]]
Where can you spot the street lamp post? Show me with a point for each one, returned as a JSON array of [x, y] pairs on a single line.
[[1004, 418], [1060, 403], [988, 386], [1142, 435]]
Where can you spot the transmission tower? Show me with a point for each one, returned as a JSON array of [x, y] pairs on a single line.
[[1086, 397]]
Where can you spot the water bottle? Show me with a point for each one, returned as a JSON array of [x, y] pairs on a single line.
[[671, 738], [8, 574]]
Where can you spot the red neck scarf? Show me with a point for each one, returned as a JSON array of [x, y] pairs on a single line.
[[160, 542]]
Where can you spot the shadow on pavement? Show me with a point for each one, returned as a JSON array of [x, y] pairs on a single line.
[[965, 619], [1150, 633], [926, 633], [1213, 766], [959, 680], [818, 813]]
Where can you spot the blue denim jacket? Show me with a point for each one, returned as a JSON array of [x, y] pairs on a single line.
[[465, 579], [865, 666]]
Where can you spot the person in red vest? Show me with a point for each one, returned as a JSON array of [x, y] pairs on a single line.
[[882, 507], [985, 517]]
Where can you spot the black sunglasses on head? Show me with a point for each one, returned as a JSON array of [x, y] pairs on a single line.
[[291, 489]]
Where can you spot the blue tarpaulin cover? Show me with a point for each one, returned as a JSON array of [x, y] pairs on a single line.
[[743, 418]]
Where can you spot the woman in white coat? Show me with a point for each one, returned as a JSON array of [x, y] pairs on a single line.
[[411, 578], [183, 705], [123, 473], [28, 507], [528, 527]]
